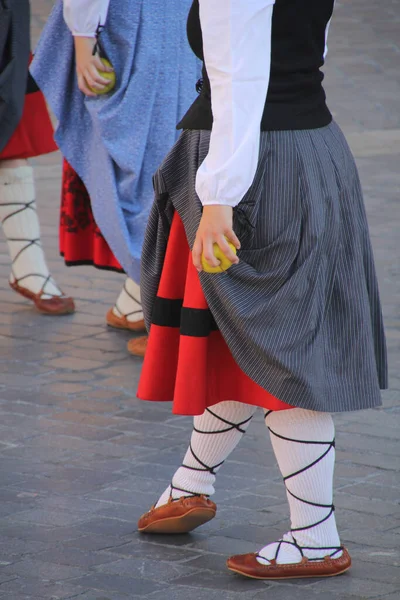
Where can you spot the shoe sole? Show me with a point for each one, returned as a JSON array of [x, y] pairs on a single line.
[[117, 325], [31, 296], [123, 328], [182, 524], [56, 313], [316, 576]]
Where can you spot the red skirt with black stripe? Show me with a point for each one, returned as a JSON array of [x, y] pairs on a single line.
[[81, 241], [187, 360]]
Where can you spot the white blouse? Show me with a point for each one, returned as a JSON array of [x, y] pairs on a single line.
[[237, 54], [84, 16]]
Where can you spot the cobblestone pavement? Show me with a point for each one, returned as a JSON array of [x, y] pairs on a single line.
[[81, 458]]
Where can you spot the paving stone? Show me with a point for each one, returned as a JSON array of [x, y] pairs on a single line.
[[27, 587], [357, 587], [47, 517], [81, 431], [367, 505], [363, 537], [151, 570], [223, 545], [128, 585], [74, 558], [96, 542], [107, 526], [390, 557], [102, 596], [356, 442], [155, 551], [225, 582], [184, 592], [381, 461], [42, 570], [283, 592], [258, 535], [376, 572], [374, 492]]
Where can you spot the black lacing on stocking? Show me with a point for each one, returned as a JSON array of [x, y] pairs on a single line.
[[133, 312], [330, 507], [204, 467], [29, 243]]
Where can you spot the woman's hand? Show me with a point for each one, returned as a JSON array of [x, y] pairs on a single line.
[[88, 66], [215, 228]]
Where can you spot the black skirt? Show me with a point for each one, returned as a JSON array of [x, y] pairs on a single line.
[[14, 60]]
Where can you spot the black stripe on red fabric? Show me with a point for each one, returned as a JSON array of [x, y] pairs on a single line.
[[167, 312], [194, 322], [197, 322]]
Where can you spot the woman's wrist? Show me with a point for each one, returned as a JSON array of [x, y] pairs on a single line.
[[84, 42]]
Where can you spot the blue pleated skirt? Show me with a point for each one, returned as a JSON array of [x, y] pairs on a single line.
[[116, 142]]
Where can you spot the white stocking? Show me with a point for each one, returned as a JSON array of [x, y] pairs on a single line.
[[128, 303], [216, 434], [22, 230], [304, 446]]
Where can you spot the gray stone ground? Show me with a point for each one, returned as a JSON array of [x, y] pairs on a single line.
[[81, 458]]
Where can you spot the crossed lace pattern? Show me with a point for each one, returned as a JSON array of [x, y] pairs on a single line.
[[29, 242], [332, 551], [212, 469], [132, 297]]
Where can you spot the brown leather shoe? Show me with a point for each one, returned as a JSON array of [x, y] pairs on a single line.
[[178, 516], [122, 322], [137, 346], [55, 306], [248, 565]]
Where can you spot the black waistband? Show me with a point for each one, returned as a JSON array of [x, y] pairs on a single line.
[[311, 114]]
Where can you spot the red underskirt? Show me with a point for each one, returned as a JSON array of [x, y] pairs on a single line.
[[34, 133], [192, 371], [81, 241]]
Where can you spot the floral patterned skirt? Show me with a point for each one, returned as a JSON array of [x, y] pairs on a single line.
[[81, 241]]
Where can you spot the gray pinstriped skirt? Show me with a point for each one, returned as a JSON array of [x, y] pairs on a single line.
[[301, 311]]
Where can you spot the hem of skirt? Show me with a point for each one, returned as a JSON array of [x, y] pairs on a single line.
[[90, 263], [25, 154], [324, 409], [193, 413]]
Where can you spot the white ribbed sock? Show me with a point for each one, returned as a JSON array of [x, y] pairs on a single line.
[[128, 303], [299, 438], [216, 434], [22, 230]]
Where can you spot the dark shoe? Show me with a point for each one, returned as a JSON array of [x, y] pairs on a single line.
[[122, 322], [248, 565], [178, 516], [56, 305]]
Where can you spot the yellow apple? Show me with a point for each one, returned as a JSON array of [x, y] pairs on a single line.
[[225, 263], [107, 75]]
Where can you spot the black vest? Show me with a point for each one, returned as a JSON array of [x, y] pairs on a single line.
[[296, 98]]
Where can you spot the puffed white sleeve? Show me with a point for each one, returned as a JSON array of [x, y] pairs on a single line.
[[237, 55], [84, 16]]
